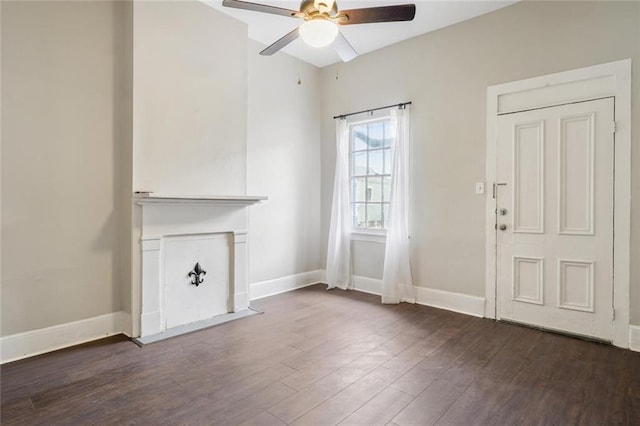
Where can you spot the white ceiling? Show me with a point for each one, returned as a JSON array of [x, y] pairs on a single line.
[[430, 15]]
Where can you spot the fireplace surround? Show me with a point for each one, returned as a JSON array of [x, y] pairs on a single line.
[[190, 259]]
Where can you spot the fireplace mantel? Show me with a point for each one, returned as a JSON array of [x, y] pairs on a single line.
[[149, 198], [171, 234]]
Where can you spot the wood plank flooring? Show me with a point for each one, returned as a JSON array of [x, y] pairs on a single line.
[[318, 357]]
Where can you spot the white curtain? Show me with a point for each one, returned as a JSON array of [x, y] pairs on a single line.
[[397, 282], [339, 249]]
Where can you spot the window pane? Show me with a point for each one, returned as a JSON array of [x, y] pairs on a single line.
[[359, 138], [376, 162], [386, 188], [359, 190], [386, 214], [387, 162], [370, 164], [388, 137], [374, 186], [359, 163], [359, 215], [376, 135], [374, 216]]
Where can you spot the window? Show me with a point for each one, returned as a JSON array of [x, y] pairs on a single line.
[[370, 175]]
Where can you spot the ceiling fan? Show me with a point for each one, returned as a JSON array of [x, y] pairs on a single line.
[[322, 18]]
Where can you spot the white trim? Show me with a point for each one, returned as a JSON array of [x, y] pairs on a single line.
[[125, 320], [369, 237], [155, 198], [36, 342], [634, 338], [367, 285], [275, 286], [588, 83], [456, 302]]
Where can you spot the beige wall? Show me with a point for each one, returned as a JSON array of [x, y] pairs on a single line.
[[104, 97], [446, 74], [283, 152], [79, 82], [61, 103], [189, 100]]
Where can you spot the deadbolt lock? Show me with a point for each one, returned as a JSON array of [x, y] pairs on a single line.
[[503, 212]]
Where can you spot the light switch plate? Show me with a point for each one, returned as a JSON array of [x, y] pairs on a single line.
[[479, 187]]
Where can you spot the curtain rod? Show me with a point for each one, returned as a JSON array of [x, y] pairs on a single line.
[[402, 104]]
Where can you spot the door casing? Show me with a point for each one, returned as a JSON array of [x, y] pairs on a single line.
[[604, 80]]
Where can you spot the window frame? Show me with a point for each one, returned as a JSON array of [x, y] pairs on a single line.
[[365, 233]]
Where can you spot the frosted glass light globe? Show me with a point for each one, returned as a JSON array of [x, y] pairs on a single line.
[[318, 32]]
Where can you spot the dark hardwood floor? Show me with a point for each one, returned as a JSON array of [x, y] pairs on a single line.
[[318, 357]]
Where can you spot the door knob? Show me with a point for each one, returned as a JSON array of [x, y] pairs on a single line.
[[502, 227]]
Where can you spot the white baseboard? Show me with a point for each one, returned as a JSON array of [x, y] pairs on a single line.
[[36, 342], [267, 288], [367, 285], [456, 302], [125, 320], [634, 338]]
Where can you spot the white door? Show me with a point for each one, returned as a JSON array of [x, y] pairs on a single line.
[[555, 218]]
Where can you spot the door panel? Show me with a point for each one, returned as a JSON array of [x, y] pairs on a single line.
[[528, 178], [576, 157], [555, 257]]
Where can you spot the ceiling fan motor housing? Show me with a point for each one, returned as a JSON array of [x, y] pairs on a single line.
[[308, 8]]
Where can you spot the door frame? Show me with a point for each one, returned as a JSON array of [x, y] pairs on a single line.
[[612, 79]]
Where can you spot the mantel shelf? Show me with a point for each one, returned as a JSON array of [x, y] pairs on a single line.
[[153, 198]]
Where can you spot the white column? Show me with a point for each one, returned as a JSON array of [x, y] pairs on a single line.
[[151, 310], [240, 273]]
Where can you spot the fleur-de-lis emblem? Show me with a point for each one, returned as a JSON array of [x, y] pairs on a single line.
[[196, 275]]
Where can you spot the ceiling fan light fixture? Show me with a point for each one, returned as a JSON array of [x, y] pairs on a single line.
[[318, 32]]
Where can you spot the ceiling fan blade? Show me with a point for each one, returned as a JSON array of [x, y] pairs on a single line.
[[343, 48], [260, 8], [281, 43], [369, 15]]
